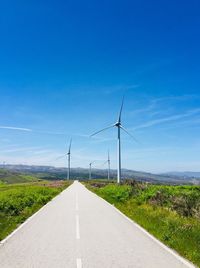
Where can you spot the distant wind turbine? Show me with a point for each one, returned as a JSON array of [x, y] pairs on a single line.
[[108, 162], [90, 170], [108, 166], [69, 160], [119, 127]]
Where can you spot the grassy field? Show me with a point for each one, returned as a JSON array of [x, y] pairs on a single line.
[[10, 177], [20, 201], [170, 213]]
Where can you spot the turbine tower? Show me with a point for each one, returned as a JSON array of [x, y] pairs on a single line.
[[69, 159], [119, 127]]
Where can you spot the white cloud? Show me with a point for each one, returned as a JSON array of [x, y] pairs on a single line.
[[20, 149], [16, 128], [168, 119]]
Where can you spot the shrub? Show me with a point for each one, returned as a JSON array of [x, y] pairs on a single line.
[[116, 192]]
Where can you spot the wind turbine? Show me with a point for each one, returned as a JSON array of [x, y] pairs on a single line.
[[119, 127], [108, 161], [69, 159], [90, 170]]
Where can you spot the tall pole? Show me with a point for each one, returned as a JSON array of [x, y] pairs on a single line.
[[108, 166], [68, 174], [119, 156]]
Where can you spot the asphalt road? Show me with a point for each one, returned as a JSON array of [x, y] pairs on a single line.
[[78, 229]]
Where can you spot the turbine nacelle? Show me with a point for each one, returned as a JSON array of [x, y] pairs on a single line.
[[117, 124]]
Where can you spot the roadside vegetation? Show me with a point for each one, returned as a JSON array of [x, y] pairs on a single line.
[[170, 213], [20, 201]]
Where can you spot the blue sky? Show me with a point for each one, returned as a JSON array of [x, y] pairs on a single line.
[[65, 65]]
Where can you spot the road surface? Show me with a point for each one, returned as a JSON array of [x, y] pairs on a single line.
[[78, 229]]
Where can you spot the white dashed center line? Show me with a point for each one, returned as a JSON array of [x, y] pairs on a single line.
[[78, 263], [77, 227]]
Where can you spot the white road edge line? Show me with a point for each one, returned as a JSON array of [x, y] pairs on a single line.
[[2, 242], [78, 263], [174, 253], [77, 227]]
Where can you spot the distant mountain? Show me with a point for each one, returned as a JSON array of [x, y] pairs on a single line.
[[52, 173], [184, 174]]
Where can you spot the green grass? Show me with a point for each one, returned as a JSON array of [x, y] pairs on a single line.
[[7, 176], [20, 201], [170, 213]]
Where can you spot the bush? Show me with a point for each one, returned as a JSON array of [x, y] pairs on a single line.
[[116, 193]]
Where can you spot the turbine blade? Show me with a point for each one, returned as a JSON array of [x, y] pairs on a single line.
[[61, 157], [101, 165], [120, 112], [130, 134], [101, 130]]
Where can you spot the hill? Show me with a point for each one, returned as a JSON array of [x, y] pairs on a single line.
[[183, 174], [10, 177], [25, 172]]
